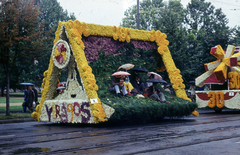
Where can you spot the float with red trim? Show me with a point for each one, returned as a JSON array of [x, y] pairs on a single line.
[[223, 77]]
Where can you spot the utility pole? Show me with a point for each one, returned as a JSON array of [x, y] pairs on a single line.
[[138, 14]]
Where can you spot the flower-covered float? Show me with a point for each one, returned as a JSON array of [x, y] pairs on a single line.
[[77, 46], [222, 76]]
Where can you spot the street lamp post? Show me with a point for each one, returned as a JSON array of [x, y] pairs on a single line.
[[138, 14]]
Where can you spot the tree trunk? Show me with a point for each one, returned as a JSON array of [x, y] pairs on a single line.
[[7, 94], [2, 91]]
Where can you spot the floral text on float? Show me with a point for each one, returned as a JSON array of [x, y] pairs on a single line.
[[67, 111], [216, 99], [224, 98], [233, 80]]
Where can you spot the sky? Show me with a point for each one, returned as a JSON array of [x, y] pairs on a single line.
[[111, 12]]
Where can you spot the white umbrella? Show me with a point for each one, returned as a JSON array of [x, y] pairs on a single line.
[[126, 66], [156, 76]]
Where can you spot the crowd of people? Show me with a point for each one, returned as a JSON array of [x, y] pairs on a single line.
[[123, 87], [30, 98]]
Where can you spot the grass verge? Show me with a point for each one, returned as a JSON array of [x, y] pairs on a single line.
[[15, 116], [12, 100]]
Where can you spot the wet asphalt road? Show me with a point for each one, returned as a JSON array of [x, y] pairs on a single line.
[[208, 134]]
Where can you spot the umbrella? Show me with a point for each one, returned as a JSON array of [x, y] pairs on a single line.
[[120, 73], [192, 82], [139, 69], [60, 88], [126, 66], [156, 76], [26, 84], [156, 80]]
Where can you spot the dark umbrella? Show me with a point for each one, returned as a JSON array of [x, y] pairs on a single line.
[[156, 80], [192, 82], [26, 84], [138, 69]]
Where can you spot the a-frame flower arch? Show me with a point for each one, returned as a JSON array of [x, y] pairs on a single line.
[[73, 32]]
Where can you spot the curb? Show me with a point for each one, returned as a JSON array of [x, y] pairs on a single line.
[[16, 120]]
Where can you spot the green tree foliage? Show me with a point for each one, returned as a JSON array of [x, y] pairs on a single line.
[[191, 32], [235, 39], [170, 21], [167, 17], [149, 12], [19, 31], [51, 14], [207, 27]]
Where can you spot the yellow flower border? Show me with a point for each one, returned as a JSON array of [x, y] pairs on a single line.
[[76, 29]]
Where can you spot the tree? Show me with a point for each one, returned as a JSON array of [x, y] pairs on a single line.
[[191, 33], [170, 21], [20, 33], [235, 39], [207, 27], [51, 14], [149, 10]]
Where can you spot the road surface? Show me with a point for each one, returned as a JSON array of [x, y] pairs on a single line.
[[210, 134]]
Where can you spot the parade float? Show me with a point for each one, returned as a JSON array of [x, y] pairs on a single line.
[[222, 78], [77, 46]]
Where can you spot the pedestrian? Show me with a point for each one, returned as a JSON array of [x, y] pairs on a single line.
[[24, 105], [36, 95], [192, 92], [30, 98]]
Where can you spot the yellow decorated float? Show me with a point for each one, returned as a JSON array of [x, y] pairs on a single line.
[[79, 102], [222, 76]]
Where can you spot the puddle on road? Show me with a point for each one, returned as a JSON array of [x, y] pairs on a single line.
[[31, 150]]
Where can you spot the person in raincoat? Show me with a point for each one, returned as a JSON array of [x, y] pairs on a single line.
[[30, 98], [24, 105]]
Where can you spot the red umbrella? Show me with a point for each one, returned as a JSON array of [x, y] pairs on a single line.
[[120, 73]]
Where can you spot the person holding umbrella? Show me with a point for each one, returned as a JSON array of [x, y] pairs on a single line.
[[117, 84], [153, 90], [30, 98], [127, 82]]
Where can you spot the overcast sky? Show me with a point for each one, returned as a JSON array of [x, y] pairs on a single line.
[[111, 12]]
